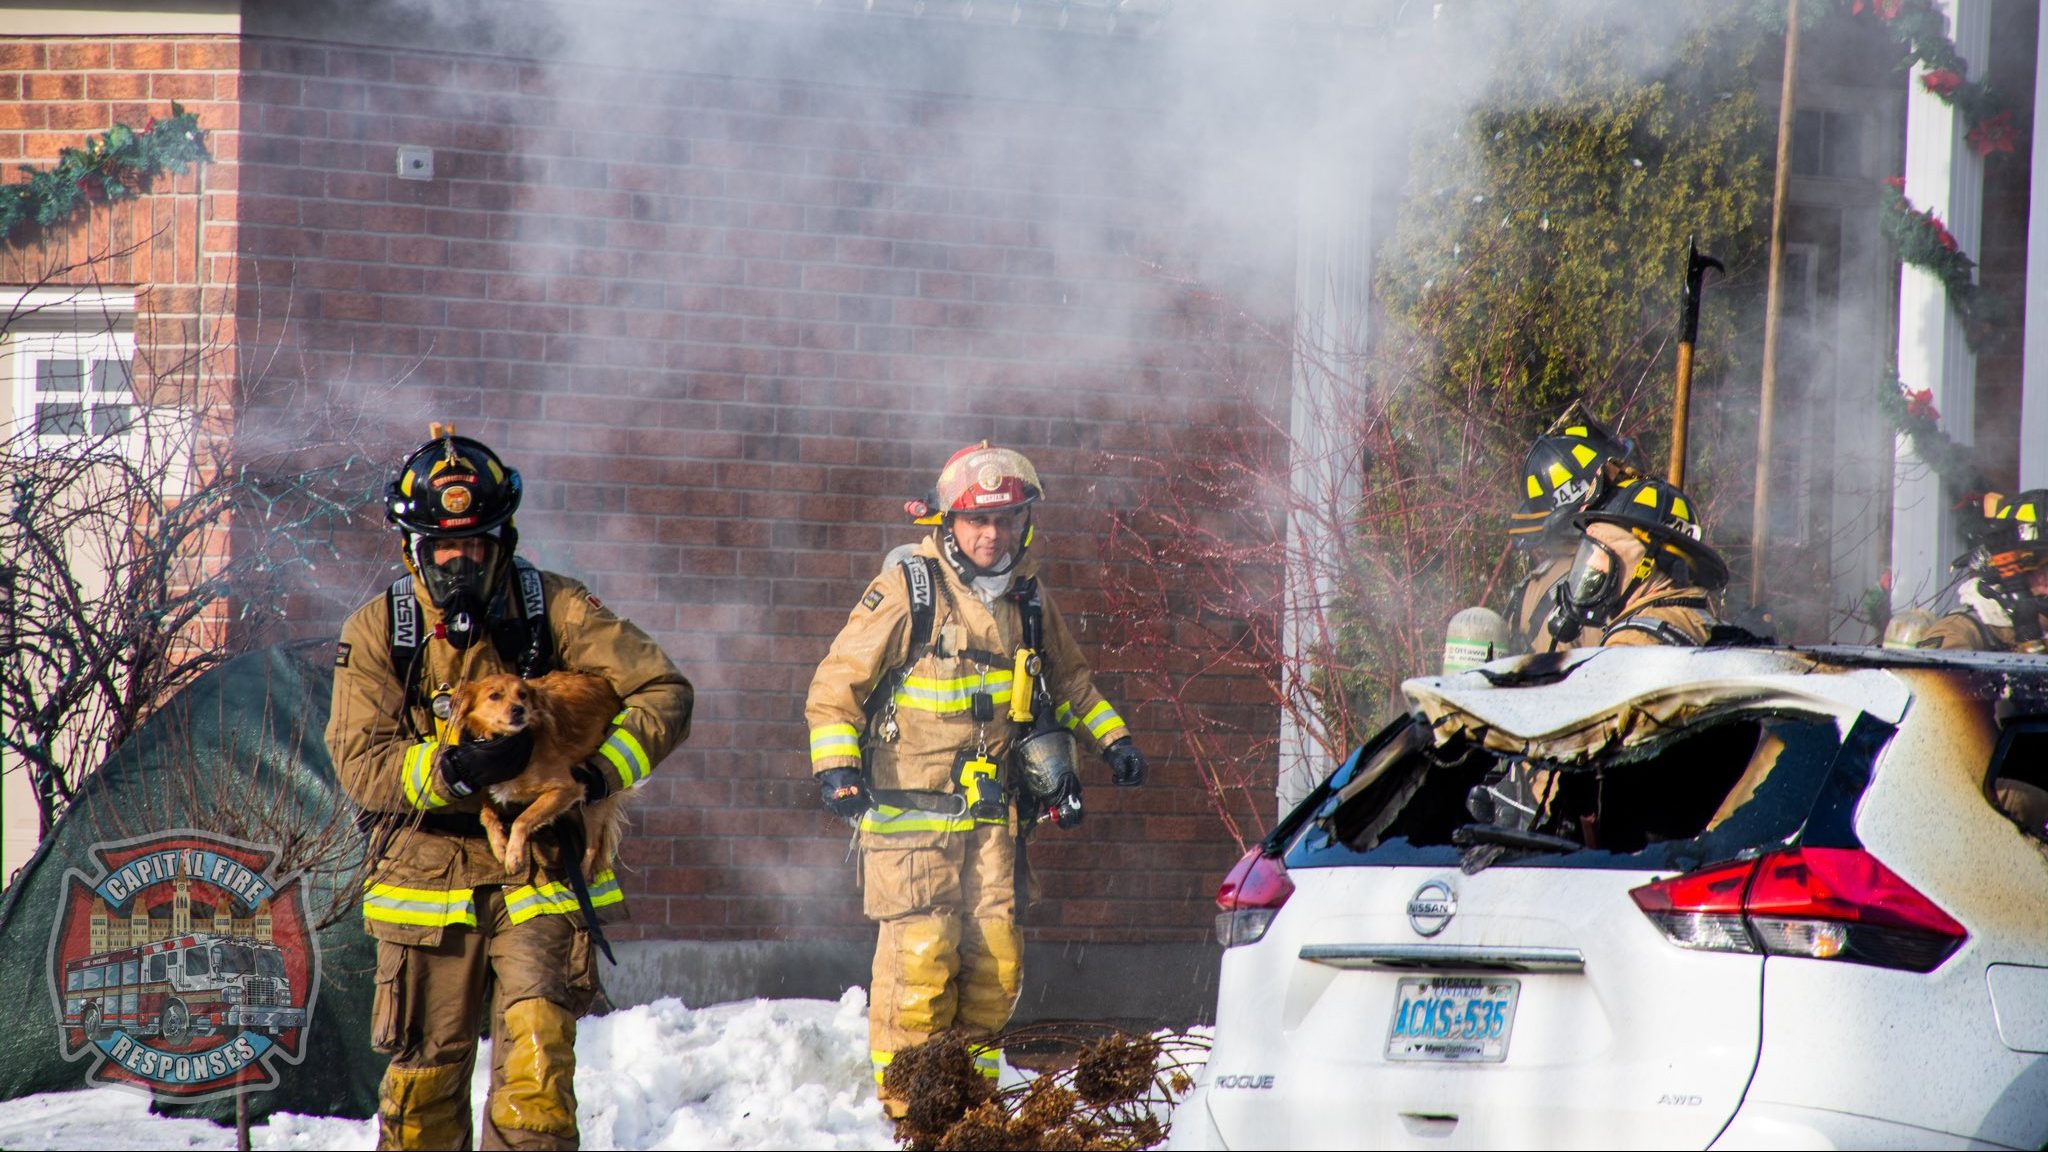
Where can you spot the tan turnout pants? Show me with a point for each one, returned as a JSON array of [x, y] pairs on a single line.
[[949, 955], [429, 1011]]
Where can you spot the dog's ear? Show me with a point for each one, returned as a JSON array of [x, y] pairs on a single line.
[[460, 702]]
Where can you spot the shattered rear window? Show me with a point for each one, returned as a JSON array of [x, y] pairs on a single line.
[[1713, 792]]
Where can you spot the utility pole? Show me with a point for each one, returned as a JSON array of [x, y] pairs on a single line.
[[1760, 507]]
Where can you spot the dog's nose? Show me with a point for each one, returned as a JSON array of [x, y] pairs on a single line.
[[518, 713]]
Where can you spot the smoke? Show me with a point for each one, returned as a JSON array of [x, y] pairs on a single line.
[[728, 281]]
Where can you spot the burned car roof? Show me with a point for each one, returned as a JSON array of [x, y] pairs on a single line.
[[1573, 705]]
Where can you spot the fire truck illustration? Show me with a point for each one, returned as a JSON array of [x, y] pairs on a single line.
[[196, 984]]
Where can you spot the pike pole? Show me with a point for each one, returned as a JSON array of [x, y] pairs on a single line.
[[1696, 267]]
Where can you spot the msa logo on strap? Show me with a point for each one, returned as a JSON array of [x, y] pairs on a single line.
[[920, 577], [405, 620], [530, 593]]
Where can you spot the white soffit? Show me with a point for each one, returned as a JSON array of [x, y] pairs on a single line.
[[121, 18]]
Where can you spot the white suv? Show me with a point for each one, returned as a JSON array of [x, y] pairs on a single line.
[[1688, 898]]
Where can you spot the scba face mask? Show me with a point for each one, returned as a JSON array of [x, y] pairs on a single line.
[[1599, 583], [459, 586]]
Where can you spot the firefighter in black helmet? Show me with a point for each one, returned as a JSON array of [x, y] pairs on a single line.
[[461, 939], [1644, 573], [1557, 477], [451, 489]]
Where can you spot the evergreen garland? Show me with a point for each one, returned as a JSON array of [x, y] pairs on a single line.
[[1914, 415], [1922, 240], [116, 164], [1923, 29]]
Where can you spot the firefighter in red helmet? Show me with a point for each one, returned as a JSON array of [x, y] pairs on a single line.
[[943, 723]]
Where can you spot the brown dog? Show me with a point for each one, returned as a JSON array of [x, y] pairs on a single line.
[[571, 714]]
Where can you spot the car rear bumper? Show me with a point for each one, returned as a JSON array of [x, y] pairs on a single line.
[[1759, 1125], [1764, 1126], [1194, 1130]]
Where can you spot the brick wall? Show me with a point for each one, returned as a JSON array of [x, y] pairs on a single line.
[[724, 327], [175, 242], [174, 245]]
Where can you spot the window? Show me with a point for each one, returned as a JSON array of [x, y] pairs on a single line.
[[69, 358], [1827, 143], [1704, 794], [195, 961], [156, 967], [2019, 776]]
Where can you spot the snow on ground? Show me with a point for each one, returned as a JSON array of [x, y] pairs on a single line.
[[756, 1074]]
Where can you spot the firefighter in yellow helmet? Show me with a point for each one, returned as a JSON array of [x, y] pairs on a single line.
[[453, 927], [1643, 573], [2002, 606], [1557, 477], [943, 723]]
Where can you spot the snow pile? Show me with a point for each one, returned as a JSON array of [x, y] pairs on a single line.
[[757, 1074]]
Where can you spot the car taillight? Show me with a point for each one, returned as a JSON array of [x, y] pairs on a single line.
[[1250, 897], [1821, 903]]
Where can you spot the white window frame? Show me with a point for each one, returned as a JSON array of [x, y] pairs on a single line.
[[90, 325]]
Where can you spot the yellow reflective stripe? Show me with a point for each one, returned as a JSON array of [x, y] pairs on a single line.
[[956, 695], [884, 820], [1065, 715], [527, 901], [882, 1060], [989, 1062], [623, 749], [1100, 719], [417, 906], [829, 740], [968, 684], [558, 899], [419, 775]]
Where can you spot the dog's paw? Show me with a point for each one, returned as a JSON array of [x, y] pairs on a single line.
[[514, 858]]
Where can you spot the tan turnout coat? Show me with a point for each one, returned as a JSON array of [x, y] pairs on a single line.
[[973, 648], [424, 879]]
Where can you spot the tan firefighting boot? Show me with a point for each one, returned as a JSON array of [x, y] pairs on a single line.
[[913, 996], [425, 1108], [533, 1079], [991, 976]]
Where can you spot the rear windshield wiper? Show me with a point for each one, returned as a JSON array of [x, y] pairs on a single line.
[[1470, 834]]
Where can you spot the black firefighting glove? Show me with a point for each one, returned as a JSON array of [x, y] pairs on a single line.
[[1126, 763], [478, 764], [598, 780], [843, 793]]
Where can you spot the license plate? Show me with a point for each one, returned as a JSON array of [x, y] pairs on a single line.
[[1453, 1018]]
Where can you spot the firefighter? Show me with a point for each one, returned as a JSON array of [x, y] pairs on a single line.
[[912, 716], [2002, 605], [1557, 477], [1642, 574], [452, 926]]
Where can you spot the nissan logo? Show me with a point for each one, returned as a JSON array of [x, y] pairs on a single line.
[[1431, 908]]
